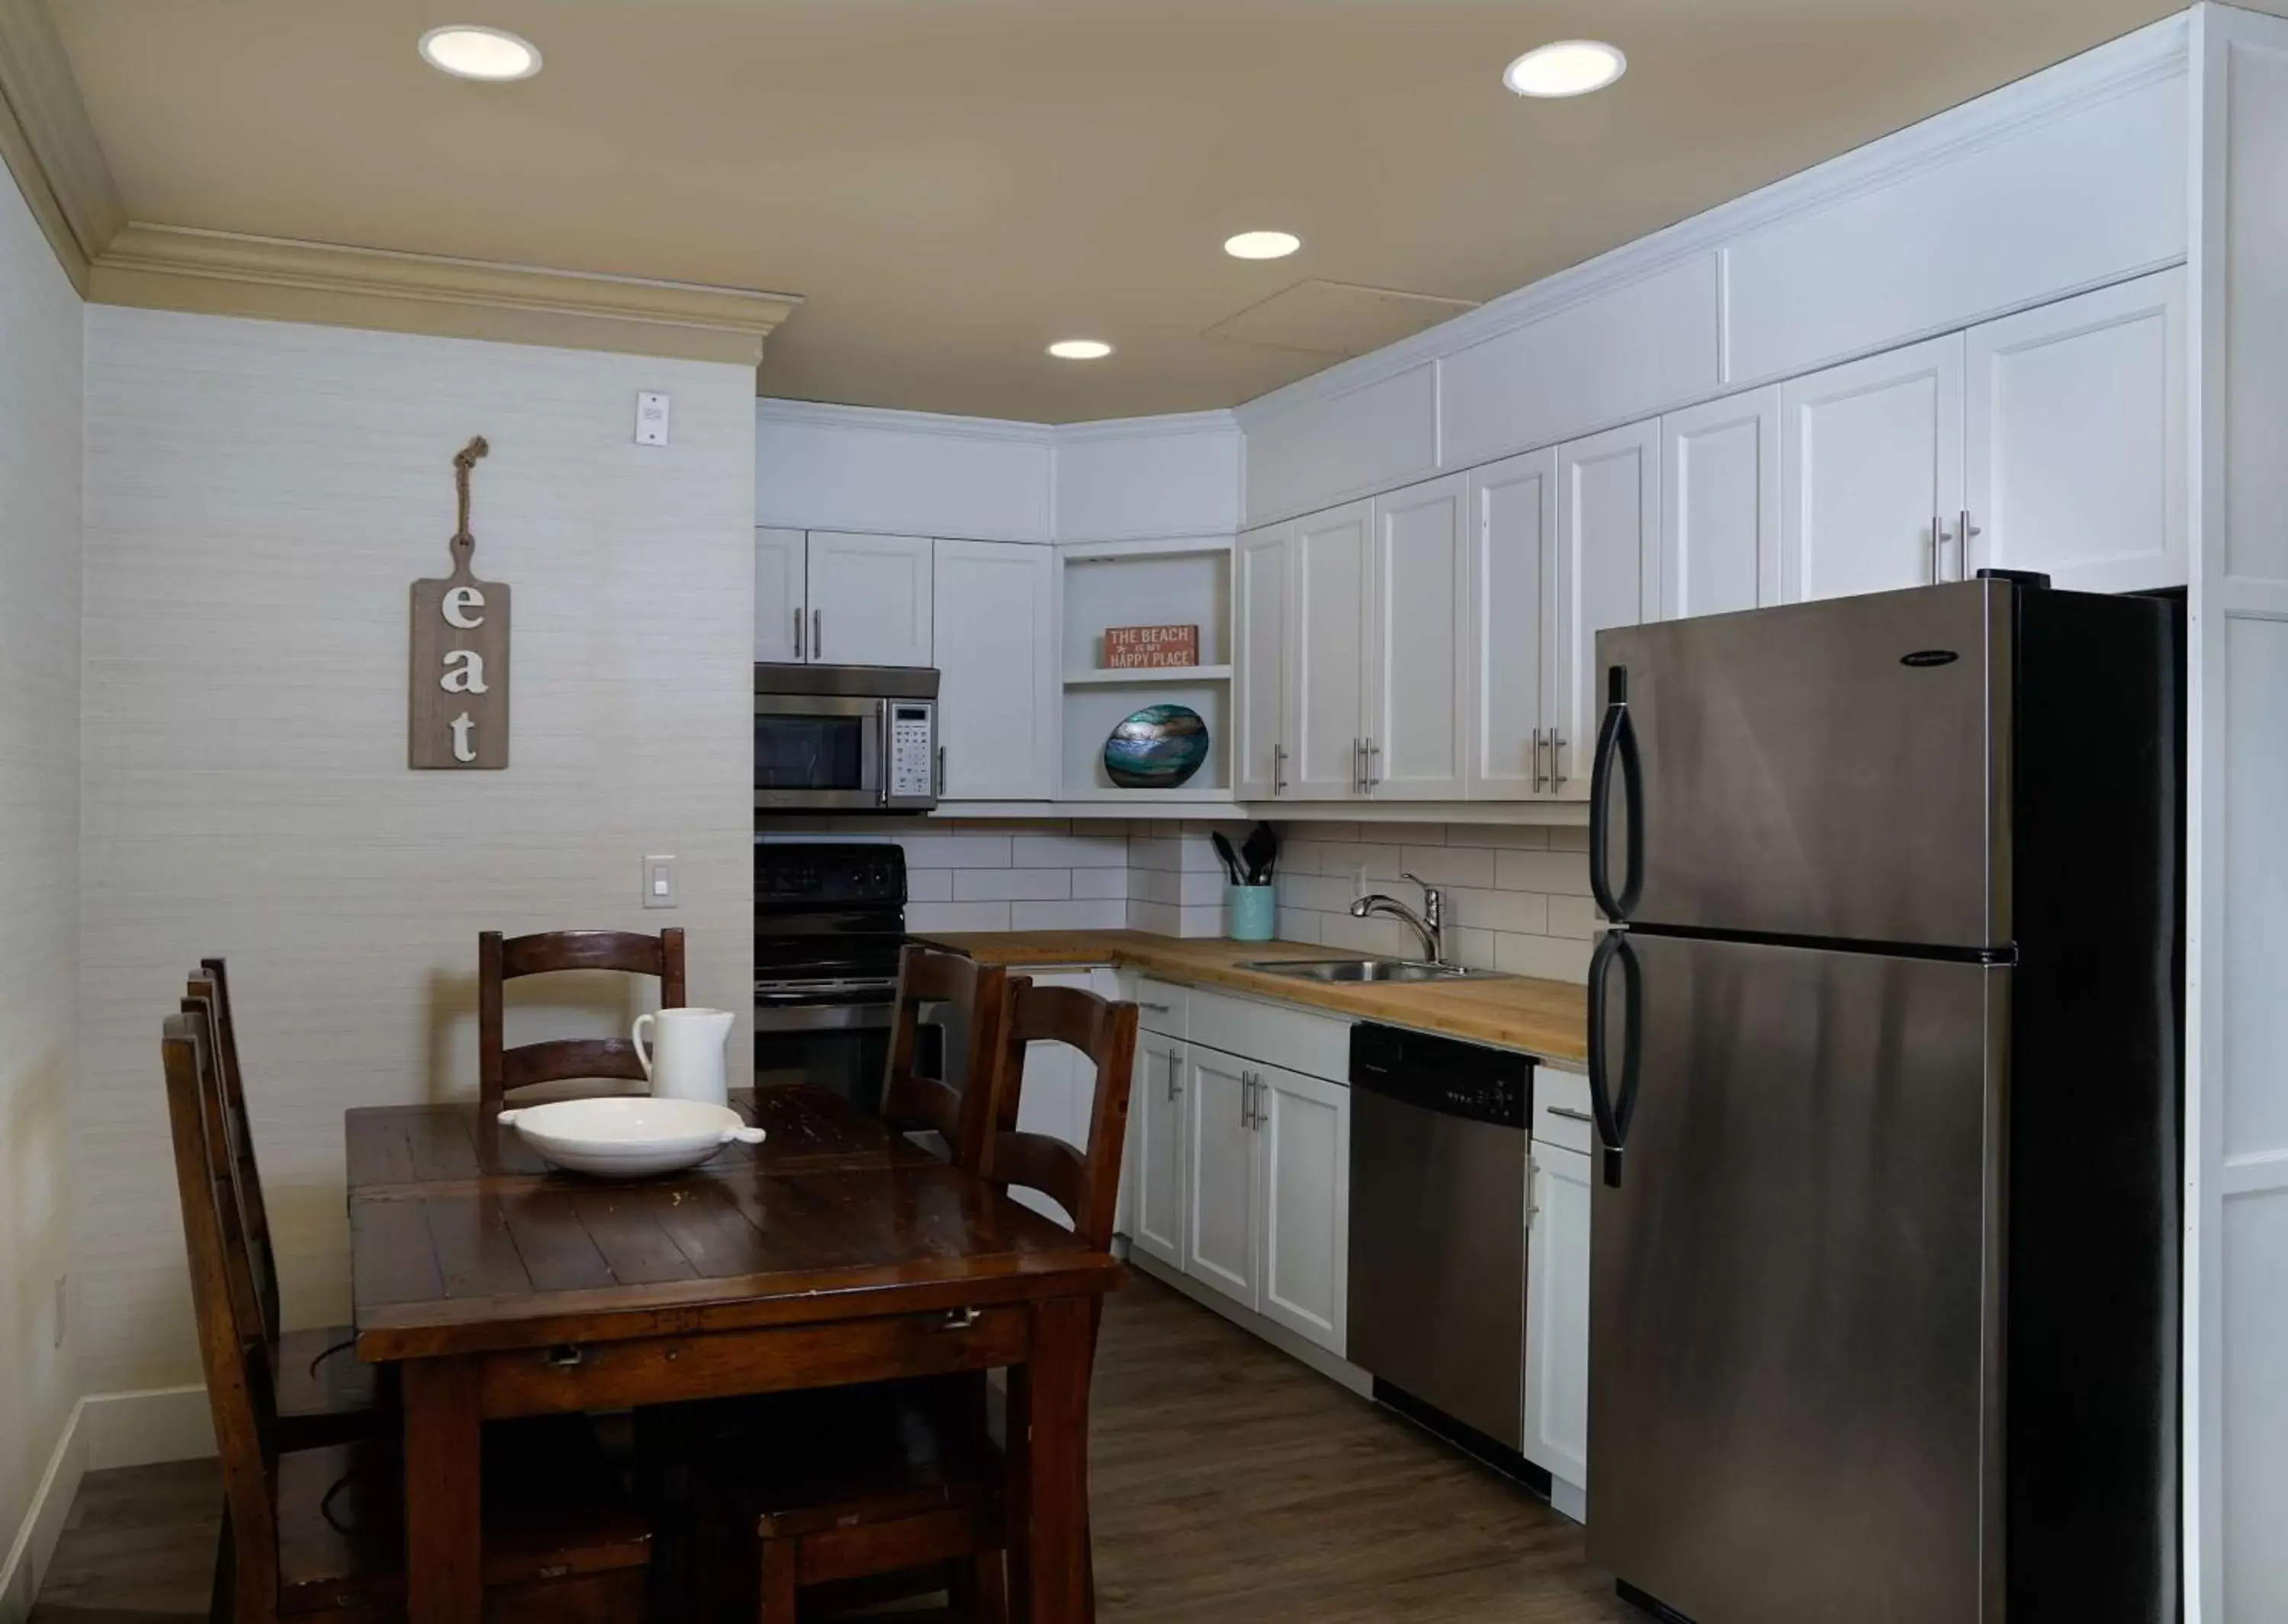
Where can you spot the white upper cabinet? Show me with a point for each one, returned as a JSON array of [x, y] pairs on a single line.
[[1871, 473], [781, 605], [870, 599], [998, 707], [1260, 574], [1510, 521], [2074, 457], [1305, 1127], [1415, 663], [1606, 556], [1325, 699], [1720, 506]]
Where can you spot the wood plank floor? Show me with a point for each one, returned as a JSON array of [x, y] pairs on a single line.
[[1230, 1483]]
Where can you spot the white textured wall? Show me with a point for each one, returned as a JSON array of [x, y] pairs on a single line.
[[259, 496], [39, 373]]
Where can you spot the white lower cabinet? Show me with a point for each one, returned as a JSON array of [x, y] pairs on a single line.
[[1556, 1399], [1305, 1125], [1155, 1161], [1221, 1150]]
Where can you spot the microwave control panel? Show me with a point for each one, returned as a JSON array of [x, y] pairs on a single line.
[[910, 769]]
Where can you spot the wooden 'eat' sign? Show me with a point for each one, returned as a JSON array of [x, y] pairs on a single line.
[[458, 715]]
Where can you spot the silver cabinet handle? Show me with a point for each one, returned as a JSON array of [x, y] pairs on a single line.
[[1539, 777], [1358, 766], [1262, 1098], [1157, 1009], [798, 632], [1247, 1100], [1174, 1061], [1556, 773], [818, 634], [1373, 759], [1278, 768], [1966, 532], [1939, 539], [1570, 1114]]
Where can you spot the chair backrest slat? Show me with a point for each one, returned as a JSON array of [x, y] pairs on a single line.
[[957, 1104], [209, 985], [230, 1347], [1086, 1182], [502, 959]]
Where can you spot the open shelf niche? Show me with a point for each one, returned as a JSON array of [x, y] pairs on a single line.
[[1144, 583]]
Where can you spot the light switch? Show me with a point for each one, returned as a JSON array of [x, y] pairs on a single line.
[[651, 418], [659, 881]]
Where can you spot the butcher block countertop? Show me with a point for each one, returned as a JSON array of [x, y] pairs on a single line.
[[1549, 1018]]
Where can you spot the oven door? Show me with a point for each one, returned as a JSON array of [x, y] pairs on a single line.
[[818, 751], [833, 1034]]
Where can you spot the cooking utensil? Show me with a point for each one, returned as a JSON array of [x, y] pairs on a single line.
[[1230, 857], [1261, 851]]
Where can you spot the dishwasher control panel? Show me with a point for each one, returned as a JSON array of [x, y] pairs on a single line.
[[1444, 1075]]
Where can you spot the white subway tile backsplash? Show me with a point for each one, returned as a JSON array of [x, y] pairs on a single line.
[[1098, 914], [1011, 884], [1099, 884], [1071, 852], [1322, 893], [956, 850], [1162, 918], [1575, 916], [1570, 838], [1555, 958], [1449, 865], [929, 884], [1511, 835], [1526, 912], [1298, 924], [922, 918], [1551, 873]]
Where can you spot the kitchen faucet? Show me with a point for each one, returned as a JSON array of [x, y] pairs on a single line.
[[1429, 924]]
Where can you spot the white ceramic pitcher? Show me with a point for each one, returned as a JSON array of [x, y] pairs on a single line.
[[685, 1059]]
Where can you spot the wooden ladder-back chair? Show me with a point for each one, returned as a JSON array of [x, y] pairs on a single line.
[[915, 1484], [317, 1534], [957, 1102], [500, 1072], [324, 1395]]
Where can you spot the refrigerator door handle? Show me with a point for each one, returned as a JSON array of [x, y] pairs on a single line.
[[1616, 741], [1612, 1112]]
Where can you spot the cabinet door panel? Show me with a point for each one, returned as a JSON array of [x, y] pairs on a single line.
[[1326, 687], [2074, 440], [1608, 532], [1556, 1414], [1415, 662], [1511, 525], [1307, 1166], [870, 599], [1156, 1131], [1259, 568], [1872, 473], [1220, 1156], [997, 707], [779, 597], [1720, 506]]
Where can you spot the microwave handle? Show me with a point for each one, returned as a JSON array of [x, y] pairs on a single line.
[[880, 754]]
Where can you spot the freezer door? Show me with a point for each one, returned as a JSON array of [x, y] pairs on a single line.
[[1832, 770], [1794, 1408]]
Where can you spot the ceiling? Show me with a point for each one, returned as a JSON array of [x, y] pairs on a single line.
[[952, 184]]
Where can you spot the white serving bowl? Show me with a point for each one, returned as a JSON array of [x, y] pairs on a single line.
[[625, 1137]]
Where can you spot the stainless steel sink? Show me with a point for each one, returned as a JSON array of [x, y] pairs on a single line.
[[1370, 970]]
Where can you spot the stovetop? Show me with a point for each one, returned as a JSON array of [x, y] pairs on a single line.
[[830, 917]]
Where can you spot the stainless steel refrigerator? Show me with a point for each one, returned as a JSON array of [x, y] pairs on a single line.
[[1886, 1056]]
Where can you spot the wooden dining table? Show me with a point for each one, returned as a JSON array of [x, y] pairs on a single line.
[[834, 1252]]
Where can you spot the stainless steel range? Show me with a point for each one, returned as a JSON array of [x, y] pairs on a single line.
[[830, 919]]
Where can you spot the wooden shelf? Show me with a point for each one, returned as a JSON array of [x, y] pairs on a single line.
[[1148, 674]]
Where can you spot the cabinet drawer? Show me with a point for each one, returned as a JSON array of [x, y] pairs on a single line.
[[1161, 1006], [1561, 1110], [1279, 1035]]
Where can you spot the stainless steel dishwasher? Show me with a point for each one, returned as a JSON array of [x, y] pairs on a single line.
[[1437, 1264]]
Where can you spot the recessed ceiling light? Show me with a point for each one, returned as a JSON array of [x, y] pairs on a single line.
[[1568, 68], [1080, 349], [1262, 244], [468, 50]]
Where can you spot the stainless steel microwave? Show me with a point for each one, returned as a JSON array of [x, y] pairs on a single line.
[[844, 738]]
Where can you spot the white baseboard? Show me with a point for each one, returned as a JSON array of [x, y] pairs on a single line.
[[1335, 1368], [35, 1544], [143, 1429]]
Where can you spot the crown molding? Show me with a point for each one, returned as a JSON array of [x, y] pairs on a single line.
[[49, 144], [2157, 51], [891, 420], [1217, 421], [221, 273]]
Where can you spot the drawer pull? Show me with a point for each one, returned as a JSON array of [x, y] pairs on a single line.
[[961, 1319], [564, 1356], [1157, 1009], [1570, 1114]]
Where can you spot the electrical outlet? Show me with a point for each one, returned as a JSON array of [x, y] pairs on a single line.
[[659, 881], [651, 418], [63, 1302]]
